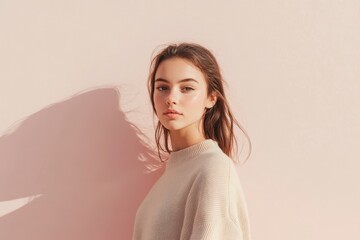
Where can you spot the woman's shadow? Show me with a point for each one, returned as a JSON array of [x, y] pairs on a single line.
[[85, 163]]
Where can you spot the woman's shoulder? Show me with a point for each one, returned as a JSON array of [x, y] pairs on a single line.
[[215, 156], [214, 162]]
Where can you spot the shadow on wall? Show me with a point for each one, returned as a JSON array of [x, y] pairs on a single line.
[[81, 156]]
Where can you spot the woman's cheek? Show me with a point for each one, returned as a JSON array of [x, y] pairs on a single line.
[[192, 99], [157, 102]]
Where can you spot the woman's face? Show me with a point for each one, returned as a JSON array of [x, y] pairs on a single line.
[[180, 86]]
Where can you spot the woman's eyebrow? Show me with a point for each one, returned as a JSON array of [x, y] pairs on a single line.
[[180, 81]]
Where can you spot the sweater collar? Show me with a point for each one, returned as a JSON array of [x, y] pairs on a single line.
[[191, 151]]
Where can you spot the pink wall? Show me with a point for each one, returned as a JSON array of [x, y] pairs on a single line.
[[83, 157], [73, 82]]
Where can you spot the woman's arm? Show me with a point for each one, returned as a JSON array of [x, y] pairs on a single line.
[[215, 207]]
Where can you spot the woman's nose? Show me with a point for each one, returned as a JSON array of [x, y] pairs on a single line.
[[172, 97]]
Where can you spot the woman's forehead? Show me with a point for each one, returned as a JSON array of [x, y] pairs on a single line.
[[176, 70]]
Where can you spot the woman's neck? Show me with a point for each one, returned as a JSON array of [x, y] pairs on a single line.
[[179, 141]]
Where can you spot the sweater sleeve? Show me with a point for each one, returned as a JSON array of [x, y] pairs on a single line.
[[214, 208]]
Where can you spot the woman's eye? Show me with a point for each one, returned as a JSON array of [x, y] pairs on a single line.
[[161, 88], [187, 89]]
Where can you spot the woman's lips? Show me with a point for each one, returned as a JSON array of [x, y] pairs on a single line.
[[172, 114]]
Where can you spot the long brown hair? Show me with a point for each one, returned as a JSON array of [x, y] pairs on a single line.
[[218, 121]]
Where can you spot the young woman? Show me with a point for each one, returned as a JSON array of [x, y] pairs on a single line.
[[199, 195]]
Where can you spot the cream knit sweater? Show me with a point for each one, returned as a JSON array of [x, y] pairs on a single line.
[[199, 196]]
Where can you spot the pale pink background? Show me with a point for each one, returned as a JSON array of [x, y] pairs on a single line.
[[73, 77]]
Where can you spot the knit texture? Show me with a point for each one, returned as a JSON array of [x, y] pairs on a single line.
[[199, 196]]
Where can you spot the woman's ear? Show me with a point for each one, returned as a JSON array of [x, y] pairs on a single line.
[[211, 100]]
